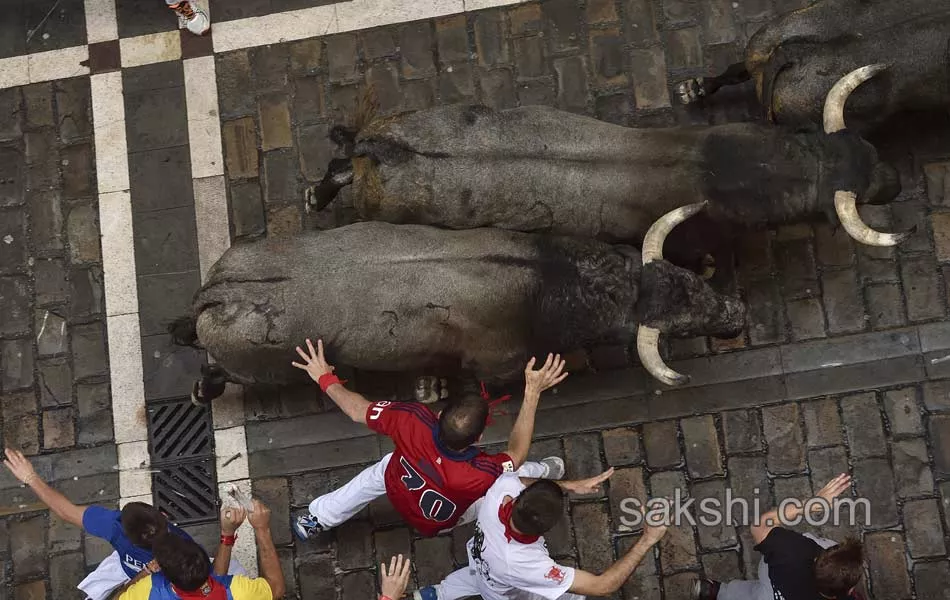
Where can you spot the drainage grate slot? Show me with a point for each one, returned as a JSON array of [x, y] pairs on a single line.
[[186, 491], [179, 430]]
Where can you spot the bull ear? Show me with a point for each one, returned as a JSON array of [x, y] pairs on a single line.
[[846, 202]]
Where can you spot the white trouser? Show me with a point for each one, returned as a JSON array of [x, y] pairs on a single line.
[[342, 503], [109, 575], [464, 583]]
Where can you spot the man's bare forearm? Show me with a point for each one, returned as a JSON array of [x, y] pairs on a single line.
[[270, 562], [57, 502], [222, 560], [352, 404], [616, 574], [520, 440]]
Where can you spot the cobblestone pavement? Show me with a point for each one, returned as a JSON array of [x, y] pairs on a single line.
[[841, 367]]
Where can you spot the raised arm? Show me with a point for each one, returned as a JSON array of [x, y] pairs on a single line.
[[770, 520], [535, 382], [315, 364], [22, 469], [591, 485], [231, 519], [266, 552]]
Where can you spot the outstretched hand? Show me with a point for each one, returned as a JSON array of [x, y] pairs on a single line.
[[835, 487], [19, 465], [394, 581], [591, 485], [314, 362], [549, 375]]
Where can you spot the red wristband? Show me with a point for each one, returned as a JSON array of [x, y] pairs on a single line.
[[381, 597], [326, 380], [228, 540]]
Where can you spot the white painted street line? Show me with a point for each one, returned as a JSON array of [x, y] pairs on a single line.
[[58, 64], [14, 71], [135, 478], [363, 14], [275, 28], [101, 22], [149, 49]]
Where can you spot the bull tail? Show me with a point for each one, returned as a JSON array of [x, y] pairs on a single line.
[[184, 332]]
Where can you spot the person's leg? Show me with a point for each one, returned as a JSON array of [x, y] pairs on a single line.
[[342, 503], [108, 576], [551, 467], [458, 584], [753, 589], [190, 15]]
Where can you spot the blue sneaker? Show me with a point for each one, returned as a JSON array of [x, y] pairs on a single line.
[[430, 592], [306, 527]]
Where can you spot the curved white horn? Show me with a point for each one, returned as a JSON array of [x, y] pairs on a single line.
[[656, 234], [846, 205], [648, 349], [838, 96]]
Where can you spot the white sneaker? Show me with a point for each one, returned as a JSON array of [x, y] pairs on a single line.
[[191, 17], [553, 468]]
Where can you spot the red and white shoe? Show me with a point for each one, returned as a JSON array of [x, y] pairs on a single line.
[[191, 17]]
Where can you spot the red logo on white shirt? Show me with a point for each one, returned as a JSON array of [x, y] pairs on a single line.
[[556, 575]]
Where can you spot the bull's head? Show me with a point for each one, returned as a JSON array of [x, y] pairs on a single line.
[[846, 200], [678, 302]]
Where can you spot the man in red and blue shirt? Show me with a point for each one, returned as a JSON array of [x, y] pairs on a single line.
[[436, 474]]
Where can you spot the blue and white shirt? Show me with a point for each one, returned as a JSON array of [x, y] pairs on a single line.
[[107, 524]]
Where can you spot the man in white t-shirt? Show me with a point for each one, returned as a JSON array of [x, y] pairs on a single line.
[[508, 558]]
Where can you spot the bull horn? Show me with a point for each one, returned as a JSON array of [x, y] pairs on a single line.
[[648, 338], [846, 205], [656, 235], [846, 202], [838, 96]]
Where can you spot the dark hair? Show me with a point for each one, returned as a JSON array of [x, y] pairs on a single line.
[[182, 561], [142, 523], [839, 568], [462, 422], [538, 508]]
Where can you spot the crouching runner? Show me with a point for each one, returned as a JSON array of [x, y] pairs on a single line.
[[436, 473]]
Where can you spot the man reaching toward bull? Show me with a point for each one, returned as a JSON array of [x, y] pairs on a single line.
[[435, 475]]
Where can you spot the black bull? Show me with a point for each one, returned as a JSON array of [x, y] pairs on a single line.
[[538, 169], [407, 297], [795, 59]]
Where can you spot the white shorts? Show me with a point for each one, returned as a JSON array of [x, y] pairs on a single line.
[[109, 575]]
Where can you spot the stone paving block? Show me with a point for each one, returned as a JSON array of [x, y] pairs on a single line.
[[939, 433], [28, 547], [607, 56], [276, 495], [284, 221], [640, 20], [662, 444], [833, 246], [822, 423], [88, 346], [806, 319], [316, 576], [874, 480], [86, 293], [719, 23], [862, 421], [582, 458], [679, 586], [540, 92], [614, 108], [626, 483], [287, 461], [750, 558], [65, 571], [73, 102], [13, 235], [714, 532], [63, 536], [433, 558], [78, 171], [491, 44], [34, 590], [843, 301], [572, 83], [648, 69], [16, 356], [886, 557], [722, 566], [306, 56], [55, 380], [912, 468], [795, 261], [748, 480], [622, 446], [280, 177], [644, 582], [95, 550], [529, 57], [46, 222], [922, 524], [932, 580], [15, 298], [908, 215], [274, 116], [239, 138], [415, 46], [50, 282], [233, 73], [783, 435], [377, 43], [594, 547], [354, 544], [766, 318], [21, 423], [420, 94], [165, 241], [937, 395], [877, 271], [742, 430], [50, 328], [247, 209], [563, 20], [903, 412], [451, 39], [525, 19], [342, 56], [885, 306], [360, 584], [922, 287], [269, 66], [701, 441], [58, 428]]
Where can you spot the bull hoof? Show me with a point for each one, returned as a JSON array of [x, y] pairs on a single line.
[[690, 91], [309, 198], [427, 390]]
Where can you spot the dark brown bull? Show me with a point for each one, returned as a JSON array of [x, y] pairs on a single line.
[[795, 59]]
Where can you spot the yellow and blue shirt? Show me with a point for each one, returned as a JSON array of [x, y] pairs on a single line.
[[226, 587]]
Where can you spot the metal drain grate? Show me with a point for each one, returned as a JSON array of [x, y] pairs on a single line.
[[186, 492], [179, 430], [181, 446]]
